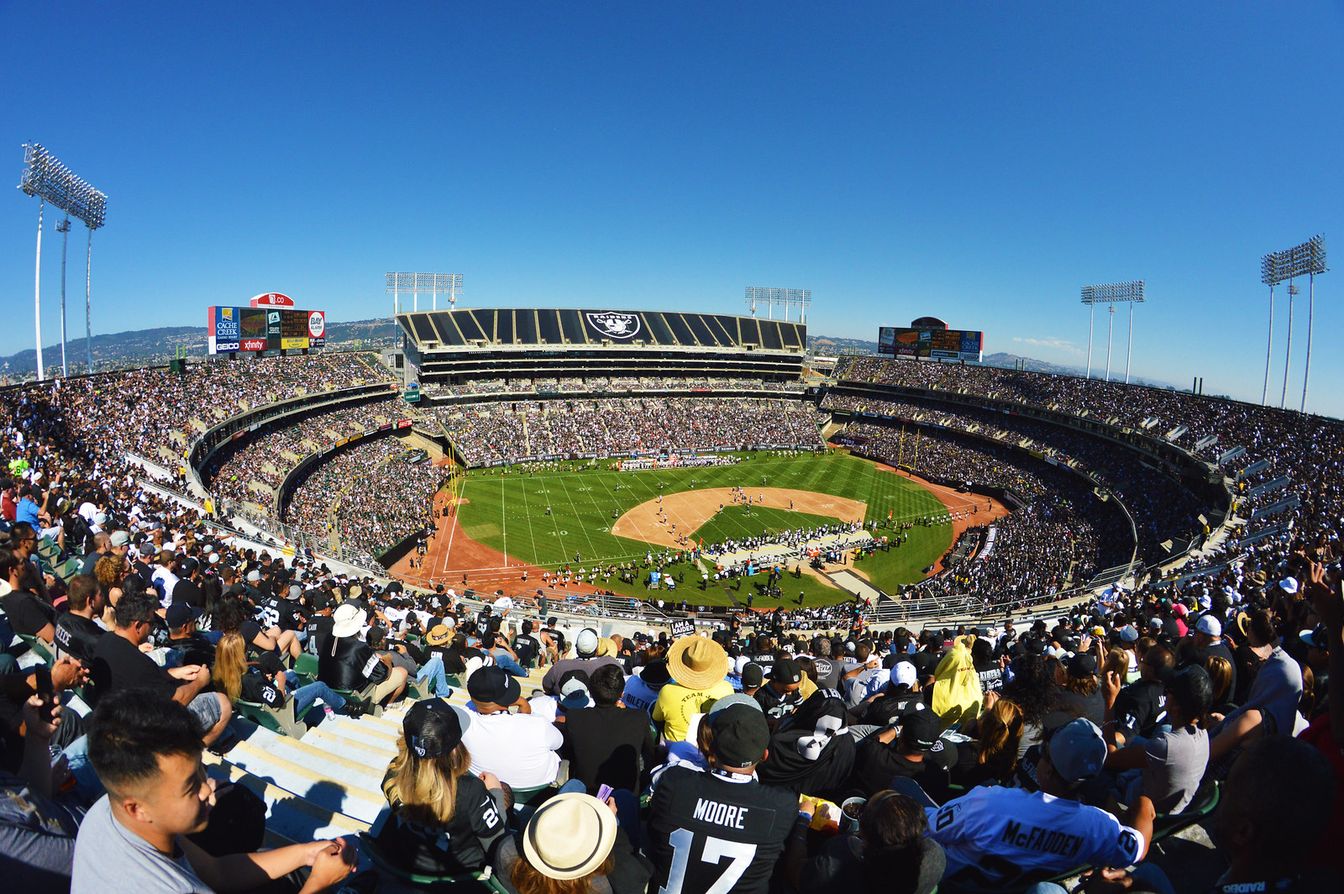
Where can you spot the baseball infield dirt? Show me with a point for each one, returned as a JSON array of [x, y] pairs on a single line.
[[652, 521]]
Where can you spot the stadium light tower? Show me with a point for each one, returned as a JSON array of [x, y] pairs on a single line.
[[64, 229], [785, 298], [51, 181], [1306, 259], [1111, 294], [435, 284]]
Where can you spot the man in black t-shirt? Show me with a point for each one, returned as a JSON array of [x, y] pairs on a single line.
[[526, 646], [76, 632], [182, 635], [118, 665], [913, 751], [319, 626], [29, 614], [721, 829], [780, 696], [1141, 705]]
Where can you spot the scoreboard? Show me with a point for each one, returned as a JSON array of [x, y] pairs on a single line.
[[257, 329], [929, 343]]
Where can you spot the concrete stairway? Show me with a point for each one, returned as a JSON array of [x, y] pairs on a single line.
[[327, 784]]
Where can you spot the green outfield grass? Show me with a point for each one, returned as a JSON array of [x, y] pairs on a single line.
[[506, 510]]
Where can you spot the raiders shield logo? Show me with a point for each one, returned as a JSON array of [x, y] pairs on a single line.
[[615, 325]]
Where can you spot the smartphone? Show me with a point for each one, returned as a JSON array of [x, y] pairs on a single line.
[[603, 792]]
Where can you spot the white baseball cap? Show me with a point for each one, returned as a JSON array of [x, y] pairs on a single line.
[[1210, 625]]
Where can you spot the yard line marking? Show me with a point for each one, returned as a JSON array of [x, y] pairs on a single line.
[[592, 548]]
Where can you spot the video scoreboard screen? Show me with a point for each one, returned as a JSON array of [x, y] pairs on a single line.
[[256, 329], [933, 344]]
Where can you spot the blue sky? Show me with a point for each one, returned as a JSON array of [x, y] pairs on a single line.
[[975, 161]]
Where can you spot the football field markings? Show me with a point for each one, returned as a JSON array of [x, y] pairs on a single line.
[[527, 513], [574, 511]]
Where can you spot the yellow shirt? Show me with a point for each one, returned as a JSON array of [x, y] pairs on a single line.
[[676, 706]]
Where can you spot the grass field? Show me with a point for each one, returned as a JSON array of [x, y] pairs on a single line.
[[506, 510]]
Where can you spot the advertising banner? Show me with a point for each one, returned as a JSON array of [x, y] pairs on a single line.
[[252, 329], [222, 329], [317, 328], [936, 344]]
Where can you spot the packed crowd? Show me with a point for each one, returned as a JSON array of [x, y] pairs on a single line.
[[611, 384], [749, 761], [999, 759], [492, 434], [1061, 538], [1164, 511], [253, 471], [404, 507], [319, 489], [1308, 450]]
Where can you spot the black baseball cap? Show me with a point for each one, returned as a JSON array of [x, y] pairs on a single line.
[[786, 670], [494, 685], [920, 728], [740, 736], [433, 728], [180, 614], [753, 675], [655, 673]]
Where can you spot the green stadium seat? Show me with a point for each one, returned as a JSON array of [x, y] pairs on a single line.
[[278, 720], [39, 648], [306, 666]]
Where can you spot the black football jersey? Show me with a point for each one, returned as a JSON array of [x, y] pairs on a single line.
[[710, 834]]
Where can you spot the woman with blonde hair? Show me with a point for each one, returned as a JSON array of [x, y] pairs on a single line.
[[991, 758], [572, 845], [444, 820], [266, 682]]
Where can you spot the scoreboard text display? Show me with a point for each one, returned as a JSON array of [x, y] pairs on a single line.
[[256, 329], [934, 344]]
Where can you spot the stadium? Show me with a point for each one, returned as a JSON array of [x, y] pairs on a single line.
[[637, 472], [605, 576]]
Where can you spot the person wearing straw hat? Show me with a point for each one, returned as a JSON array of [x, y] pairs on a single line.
[[347, 663], [699, 670], [445, 820], [572, 845]]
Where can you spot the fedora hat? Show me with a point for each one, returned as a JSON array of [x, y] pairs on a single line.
[[569, 836], [697, 662], [348, 620]]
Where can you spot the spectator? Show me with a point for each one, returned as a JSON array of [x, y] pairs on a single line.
[[29, 614], [643, 686], [695, 817], [781, 696], [268, 683], [892, 853], [572, 845], [445, 820], [913, 751], [119, 665], [607, 743], [347, 664], [587, 660], [146, 750], [519, 748], [1004, 837], [78, 629], [1172, 763], [698, 667]]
